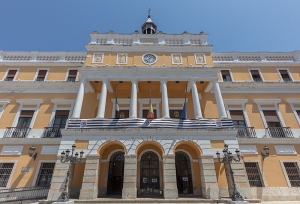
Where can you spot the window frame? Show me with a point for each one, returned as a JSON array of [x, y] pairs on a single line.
[[37, 73], [3, 104], [38, 170], [230, 72], [293, 102], [262, 176], [284, 171], [58, 102], [6, 73], [67, 74], [12, 171], [259, 72], [288, 71], [36, 102], [123, 101], [240, 102]]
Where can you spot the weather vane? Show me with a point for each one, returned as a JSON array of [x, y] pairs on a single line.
[[149, 9]]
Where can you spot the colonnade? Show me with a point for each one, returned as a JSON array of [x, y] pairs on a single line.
[[133, 99]]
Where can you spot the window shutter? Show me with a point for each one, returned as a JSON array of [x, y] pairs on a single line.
[[72, 73], [271, 116], [62, 112], [42, 73], [254, 72], [26, 113], [225, 72], [283, 71], [237, 115], [11, 73]]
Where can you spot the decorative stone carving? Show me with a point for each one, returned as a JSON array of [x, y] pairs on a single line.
[[200, 59], [176, 59], [98, 58], [122, 58]]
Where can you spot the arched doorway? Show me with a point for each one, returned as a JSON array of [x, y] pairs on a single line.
[[115, 174], [149, 174], [183, 173]]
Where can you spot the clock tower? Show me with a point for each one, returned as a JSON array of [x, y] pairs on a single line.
[[149, 27]]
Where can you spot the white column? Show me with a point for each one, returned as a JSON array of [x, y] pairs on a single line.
[[79, 99], [197, 109], [102, 102], [219, 99], [133, 100], [165, 102]]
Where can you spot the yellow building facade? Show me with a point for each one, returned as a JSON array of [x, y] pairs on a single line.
[[99, 100]]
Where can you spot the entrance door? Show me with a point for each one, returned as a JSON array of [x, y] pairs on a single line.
[[149, 179], [183, 173], [115, 174]]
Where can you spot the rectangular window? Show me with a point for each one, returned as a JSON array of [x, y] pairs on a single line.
[[145, 113], [285, 75], [124, 113], [271, 118], [253, 173], [60, 120], [11, 75], [237, 118], [5, 171], [255, 76], [292, 171], [226, 75], [72, 75], [175, 113], [41, 75], [25, 118], [45, 174]]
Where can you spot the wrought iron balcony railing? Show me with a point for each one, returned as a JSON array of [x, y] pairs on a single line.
[[246, 132], [52, 132], [71, 79], [16, 132], [24, 193], [279, 132]]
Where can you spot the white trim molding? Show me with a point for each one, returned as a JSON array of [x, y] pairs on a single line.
[[119, 55], [240, 102], [230, 72], [273, 106], [248, 149], [293, 102], [196, 55], [99, 60], [37, 170], [3, 104], [67, 74], [12, 150], [50, 150], [288, 71], [22, 102], [155, 101], [12, 172], [259, 72], [285, 149], [284, 171], [37, 72], [177, 101], [18, 69], [56, 102]]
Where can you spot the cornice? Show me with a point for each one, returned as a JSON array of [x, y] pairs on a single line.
[[281, 141], [293, 100], [267, 101], [30, 101], [235, 101]]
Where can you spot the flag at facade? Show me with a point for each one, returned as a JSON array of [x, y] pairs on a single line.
[[117, 108], [150, 112], [183, 113]]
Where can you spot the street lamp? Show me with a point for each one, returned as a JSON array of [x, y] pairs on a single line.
[[66, 157], [266, 154], [31, 152], [229, 158]]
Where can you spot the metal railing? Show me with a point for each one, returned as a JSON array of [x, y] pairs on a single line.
[[24, 193], [40, 79], [287, 79], [9, 79], [71, 79], [279, 132], [246, 132], [16, 132], [52, 132], [257, 80]]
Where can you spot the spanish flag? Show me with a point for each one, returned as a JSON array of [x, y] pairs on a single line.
[[151, 112]]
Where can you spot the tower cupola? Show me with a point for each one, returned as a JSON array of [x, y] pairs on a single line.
[[149, 27]]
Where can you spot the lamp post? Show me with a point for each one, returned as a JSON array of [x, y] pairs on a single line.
[[66, 157], [229, 158]]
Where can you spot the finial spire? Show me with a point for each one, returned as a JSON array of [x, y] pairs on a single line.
[[149, 9]]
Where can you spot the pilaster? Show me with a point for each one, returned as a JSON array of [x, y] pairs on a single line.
[[210, 189], [170, 183], [130, 175], [89, 188]]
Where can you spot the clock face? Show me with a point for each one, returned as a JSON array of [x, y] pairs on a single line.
[[149, 58]]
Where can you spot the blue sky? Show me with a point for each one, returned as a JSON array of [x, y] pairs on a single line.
[[232, 25]]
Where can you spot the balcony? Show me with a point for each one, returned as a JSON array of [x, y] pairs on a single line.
[[16, 132], [51, 132], [279, 132], [248, 132]]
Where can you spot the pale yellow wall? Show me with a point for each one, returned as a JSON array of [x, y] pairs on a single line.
[[78, 175], [28, 72], [44, 112], [81, 144], [136, 58], [217, 144], [21, 179], [221, 174], [271, 167]]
